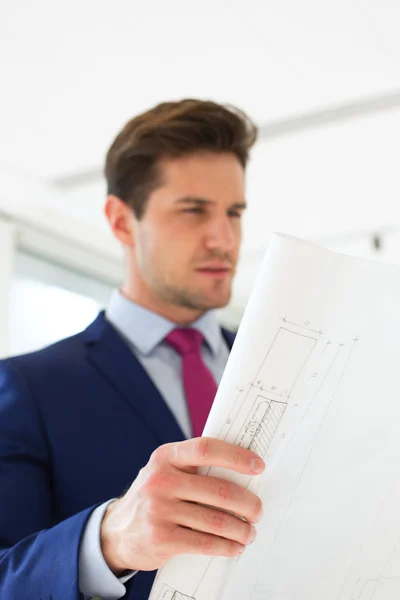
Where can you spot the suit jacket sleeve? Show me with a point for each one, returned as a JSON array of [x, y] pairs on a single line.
[[38, 557]]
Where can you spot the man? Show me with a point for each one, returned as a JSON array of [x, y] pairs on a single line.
[[81, 420]]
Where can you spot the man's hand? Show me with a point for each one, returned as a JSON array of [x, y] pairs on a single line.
[[170, 509]]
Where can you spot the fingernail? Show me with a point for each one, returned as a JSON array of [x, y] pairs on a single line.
[[242, 549], [257, 465]]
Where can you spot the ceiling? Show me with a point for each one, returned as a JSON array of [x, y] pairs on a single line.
[[73, 72]]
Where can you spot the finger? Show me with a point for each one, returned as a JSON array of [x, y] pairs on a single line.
[[219, 493], [203, 452], [188, 541], [220, 523]]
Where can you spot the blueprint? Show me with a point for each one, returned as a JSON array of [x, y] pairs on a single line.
[[312, 386]]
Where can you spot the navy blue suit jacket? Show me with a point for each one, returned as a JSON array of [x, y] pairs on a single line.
[[78, 420]]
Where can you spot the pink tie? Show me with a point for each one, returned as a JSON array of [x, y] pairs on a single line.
[[199, 384]]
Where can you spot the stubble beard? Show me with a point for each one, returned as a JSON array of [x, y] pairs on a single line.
[[190, 299]]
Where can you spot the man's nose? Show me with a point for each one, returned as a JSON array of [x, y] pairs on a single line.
[[220, 235]]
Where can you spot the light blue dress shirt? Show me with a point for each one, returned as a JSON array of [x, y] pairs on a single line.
[[145, 331]]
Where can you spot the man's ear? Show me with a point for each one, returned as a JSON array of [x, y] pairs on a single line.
[[120, 217]]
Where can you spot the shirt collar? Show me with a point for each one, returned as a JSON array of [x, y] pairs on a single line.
[[145, 330]]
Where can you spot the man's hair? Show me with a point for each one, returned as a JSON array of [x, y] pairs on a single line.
[[171, 130]]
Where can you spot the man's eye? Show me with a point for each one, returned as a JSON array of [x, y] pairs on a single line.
[[235, 213], [193, 210]]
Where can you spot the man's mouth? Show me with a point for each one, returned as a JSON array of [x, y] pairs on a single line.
[[215, 269]]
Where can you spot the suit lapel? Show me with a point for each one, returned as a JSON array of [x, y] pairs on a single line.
[[229, 337], [112, 357]]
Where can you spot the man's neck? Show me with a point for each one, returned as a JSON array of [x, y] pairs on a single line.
[[176, 314]]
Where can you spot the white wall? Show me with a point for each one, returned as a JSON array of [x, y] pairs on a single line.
[[43, 227], [32, 219]]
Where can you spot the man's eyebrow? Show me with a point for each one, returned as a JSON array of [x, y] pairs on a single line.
[[240, 205], [195, 200]]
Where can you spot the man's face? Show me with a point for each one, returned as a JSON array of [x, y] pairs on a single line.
[[188, 239]]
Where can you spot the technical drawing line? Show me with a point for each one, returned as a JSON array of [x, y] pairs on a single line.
[[269, 351], [230, 417], [367, 587], [293, 376], [169, 593], [253, 413], [326, 346], [377, 581], [291, 386], [284, 319], [260, 426], [270, 392], [249, 390], [366, 539], [306, 361], [308, 456], [380, 578], [321, 384], [203, 576]]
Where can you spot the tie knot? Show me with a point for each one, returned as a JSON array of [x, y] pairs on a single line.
[[185, 340]]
